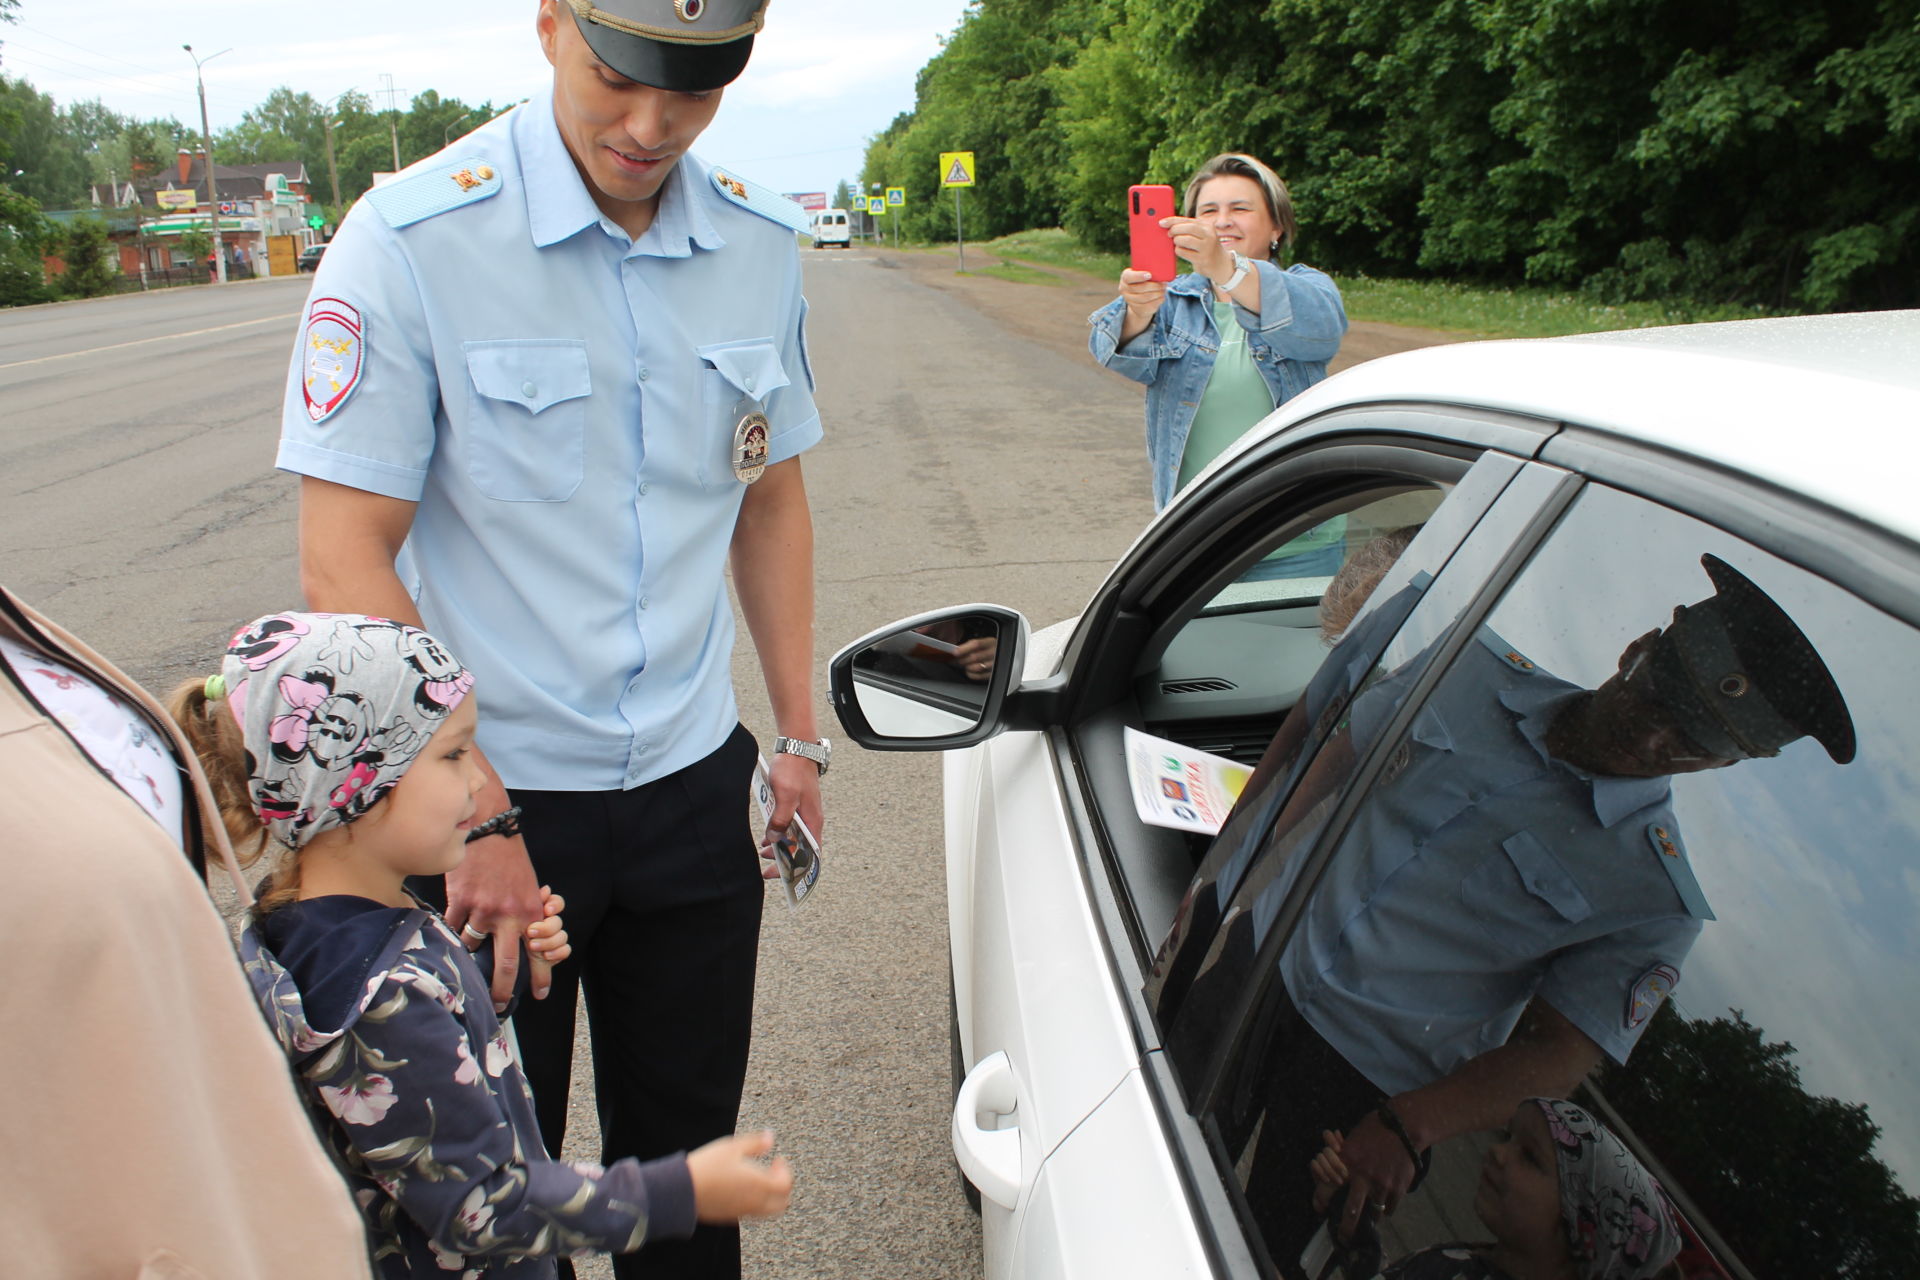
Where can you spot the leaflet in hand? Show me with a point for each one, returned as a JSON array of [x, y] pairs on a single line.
[[796, 853], [1177, 786]]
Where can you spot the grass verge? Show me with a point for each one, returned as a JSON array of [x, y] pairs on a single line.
[[1469, 310]]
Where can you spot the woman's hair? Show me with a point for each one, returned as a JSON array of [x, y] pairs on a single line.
[[216, 739], [1357, 578], [1234, 164]]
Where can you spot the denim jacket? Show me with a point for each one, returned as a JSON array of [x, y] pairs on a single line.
[[1298, 330]]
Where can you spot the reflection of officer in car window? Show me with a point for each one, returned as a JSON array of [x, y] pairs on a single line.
[[1514, 899]]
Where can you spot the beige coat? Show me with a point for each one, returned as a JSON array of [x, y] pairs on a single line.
[[148, 1121]]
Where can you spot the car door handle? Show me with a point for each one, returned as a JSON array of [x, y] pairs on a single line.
[[989, 1157]]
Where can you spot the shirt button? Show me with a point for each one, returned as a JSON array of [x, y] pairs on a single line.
[[645, 601], [645, 488], [749, 381], [528, 390], [645, 374]]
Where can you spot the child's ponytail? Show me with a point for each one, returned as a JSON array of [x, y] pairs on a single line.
[[216, 739]]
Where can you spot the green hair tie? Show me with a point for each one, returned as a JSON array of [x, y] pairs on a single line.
[[215, 688]]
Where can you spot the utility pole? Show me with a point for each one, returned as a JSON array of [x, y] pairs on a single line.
[[206, 134], [393, 119]]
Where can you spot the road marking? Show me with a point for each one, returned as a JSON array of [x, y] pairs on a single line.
[[165, 337]]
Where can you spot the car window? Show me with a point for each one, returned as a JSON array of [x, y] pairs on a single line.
[[1247, 656], [1648, 845]]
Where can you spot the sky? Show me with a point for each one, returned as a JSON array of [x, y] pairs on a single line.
[[826, 75]]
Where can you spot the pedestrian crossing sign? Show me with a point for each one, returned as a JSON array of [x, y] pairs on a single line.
[[876, 205], [896, 196], [956, 168]]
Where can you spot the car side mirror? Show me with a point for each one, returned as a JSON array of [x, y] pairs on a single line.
[[932, 682]]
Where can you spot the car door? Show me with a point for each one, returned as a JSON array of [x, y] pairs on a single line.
[[1733, 941], [1058, 895]]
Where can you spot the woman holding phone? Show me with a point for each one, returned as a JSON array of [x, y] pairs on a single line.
[[1223, 346]]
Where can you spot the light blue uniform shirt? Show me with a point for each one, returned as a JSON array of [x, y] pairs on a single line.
[[560, 400], [1484, 872]]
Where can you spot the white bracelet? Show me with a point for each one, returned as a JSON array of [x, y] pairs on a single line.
[[1240, 268]]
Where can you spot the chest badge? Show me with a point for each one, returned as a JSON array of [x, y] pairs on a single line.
[[750, 448]]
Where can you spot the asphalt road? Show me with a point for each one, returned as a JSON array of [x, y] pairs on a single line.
[[963, 462]]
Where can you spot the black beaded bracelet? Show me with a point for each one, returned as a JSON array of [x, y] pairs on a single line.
[[1422, 1160], [504, 823]]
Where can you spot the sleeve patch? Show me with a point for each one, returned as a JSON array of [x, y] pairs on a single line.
[[1654, 986], [333, 348]]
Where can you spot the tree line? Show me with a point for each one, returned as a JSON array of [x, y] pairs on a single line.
[[1759, 152], [54, 153]]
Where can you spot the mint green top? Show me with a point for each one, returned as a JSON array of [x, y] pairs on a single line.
[[1237, 397]]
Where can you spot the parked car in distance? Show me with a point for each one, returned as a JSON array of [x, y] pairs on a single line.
[[310, 256], [1592, 773], [831, 230]]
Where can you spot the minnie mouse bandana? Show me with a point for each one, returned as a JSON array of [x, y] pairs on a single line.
[[1618, 1221], [333, 707]]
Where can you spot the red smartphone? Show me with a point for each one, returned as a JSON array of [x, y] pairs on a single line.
[[1150, 246]]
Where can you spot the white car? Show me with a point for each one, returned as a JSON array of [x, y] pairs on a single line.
[[1610, 790]]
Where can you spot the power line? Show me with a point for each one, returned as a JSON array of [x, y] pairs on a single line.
[[170, 75]]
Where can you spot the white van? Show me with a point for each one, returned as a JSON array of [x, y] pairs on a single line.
[[830, 228]]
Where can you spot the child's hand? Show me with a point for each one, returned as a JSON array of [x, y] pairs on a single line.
[[1328, 1171], [547, 942], [730, 1182]]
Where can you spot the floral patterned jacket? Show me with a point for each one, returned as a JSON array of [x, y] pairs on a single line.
[[430, 1116]]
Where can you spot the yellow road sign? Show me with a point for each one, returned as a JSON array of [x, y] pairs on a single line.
[[896, 197], [956, 168], [876, 205]]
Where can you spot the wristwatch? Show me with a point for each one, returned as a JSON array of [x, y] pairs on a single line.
[[818, 752], [1240, 268]]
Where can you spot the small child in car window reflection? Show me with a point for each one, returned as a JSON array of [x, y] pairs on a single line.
[[1564, 1198]]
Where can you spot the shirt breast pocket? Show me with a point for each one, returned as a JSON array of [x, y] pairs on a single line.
[[527, 409], [1524, 898], [737, 379]]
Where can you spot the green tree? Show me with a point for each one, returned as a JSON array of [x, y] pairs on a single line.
[[85, 247], [1788, 1178], [22, 232], [195, 245], [38, 154]]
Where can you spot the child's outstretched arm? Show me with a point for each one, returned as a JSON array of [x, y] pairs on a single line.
[[424, 1109]]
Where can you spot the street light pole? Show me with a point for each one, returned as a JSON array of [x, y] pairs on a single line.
[[206, 135], [446, 134], [333, 169]]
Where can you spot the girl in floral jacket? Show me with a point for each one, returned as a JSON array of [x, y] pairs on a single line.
[[343, 743]]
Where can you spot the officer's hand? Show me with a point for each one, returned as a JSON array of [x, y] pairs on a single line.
[[796, 788], [493, 891], [975, 657], [1378, 1173]]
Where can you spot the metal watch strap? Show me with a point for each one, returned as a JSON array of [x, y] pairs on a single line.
[[1240, 268], [819, 752]]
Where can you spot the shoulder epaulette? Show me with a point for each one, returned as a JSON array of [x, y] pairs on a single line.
[[447, 185], [764, 201]]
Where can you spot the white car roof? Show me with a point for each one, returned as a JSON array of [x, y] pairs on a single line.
[[1826, 406]]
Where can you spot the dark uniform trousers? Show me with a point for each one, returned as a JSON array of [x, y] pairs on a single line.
[[663, 895]]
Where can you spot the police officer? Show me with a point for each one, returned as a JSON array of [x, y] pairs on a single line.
[[550, 384], [1516, 901]]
